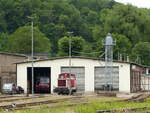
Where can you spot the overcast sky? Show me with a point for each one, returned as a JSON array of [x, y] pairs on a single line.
[[138, 3]]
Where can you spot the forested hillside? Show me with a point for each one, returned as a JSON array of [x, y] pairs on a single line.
[[88, 20]]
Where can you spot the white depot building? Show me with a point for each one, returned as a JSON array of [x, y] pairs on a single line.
[[90, 74]]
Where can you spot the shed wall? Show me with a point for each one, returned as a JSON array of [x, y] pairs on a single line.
[[88, 64], [8, 68]]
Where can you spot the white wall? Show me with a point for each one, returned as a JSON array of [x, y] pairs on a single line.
[[22, 76], [124, 78], [147, 71], [89, 64]]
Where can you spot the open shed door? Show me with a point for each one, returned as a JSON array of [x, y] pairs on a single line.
[[42, 79], [80, 76]]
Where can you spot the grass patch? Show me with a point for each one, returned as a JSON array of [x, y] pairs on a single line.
[[94, 107]]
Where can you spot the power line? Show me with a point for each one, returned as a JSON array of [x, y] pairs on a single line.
[[85, 53]]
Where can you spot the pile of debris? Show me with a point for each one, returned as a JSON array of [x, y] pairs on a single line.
[[106, 93], [138, 98]]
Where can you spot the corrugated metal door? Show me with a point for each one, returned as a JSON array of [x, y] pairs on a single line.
[[99, 79], [80, 76], [135, 81]]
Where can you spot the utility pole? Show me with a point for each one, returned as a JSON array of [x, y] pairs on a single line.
[[32, 51], [32, 58], [70, 54], [70, 46], [70, 41]]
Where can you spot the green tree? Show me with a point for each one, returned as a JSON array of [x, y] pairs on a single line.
[[77, 45], [87, 49], [3, 23], [20, 41], [141, 53], [16, 12], [98, 33], [98, 48], [3, 42], [123, 46], [95, 5], [123, 19], [54, 32]]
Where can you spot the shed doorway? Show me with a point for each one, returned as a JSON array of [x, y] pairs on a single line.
[[99, 79], [42, 79], [135, 81], [80, 76]]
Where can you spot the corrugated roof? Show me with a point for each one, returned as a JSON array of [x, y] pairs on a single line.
[[14, 54], [81, 57], [55, 58], [39, 54]]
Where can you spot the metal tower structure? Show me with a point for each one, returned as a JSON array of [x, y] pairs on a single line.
[[108, 77]]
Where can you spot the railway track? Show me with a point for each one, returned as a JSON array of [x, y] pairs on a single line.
[[9, 96], [48, 105], [27, 105], [16, 98], [34, 102]]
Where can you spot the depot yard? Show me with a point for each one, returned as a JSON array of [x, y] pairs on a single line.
[[74, 104]]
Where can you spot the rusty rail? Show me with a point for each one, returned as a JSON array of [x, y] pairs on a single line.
[[29, 104]]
